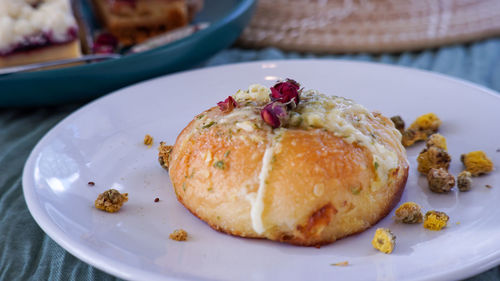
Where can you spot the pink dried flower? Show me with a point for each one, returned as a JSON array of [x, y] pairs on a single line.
[[227, 105], [105, 43], [286, 92], [274, 114]]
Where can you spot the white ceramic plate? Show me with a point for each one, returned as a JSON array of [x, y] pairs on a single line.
[[102, 142]]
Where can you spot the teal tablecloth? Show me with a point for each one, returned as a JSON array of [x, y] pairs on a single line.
[[26, 253]]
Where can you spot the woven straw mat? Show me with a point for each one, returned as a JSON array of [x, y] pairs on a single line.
[[347, 26]]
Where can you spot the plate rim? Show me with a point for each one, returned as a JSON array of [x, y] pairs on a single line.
[[113, 267]]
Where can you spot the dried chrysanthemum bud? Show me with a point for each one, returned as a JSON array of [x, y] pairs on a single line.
[[409, 212], [440, 180], [436, 140], [477, 163], [428, 123], [433, 157], [411, 136], [399, 124], [286, 92], [274, 114], [111, 200], [435, 220], [419, 130], [464, 181], [164, 154], [227, 105], [148, 140], [384, 240], [179, 235]]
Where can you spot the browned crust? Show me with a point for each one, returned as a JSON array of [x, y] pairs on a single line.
[[286, 238], [395, 199], [317, 221]]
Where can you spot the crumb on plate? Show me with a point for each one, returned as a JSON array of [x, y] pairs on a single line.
[[179, 235], [111, 200], [342, 263], [148, 140]]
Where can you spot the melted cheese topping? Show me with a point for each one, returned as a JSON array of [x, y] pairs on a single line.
[[349, 121], [255, 93], [258, 201]]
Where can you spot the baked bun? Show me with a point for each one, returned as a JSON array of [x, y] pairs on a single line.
[[329, 170]]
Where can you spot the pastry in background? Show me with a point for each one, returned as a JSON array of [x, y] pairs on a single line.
[[134, 21], [33, 31]]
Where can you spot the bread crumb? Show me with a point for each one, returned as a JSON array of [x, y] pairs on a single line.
[[384, 240], [488, 186], [110, 200], [179, 235], [148, 140], [342, 263]]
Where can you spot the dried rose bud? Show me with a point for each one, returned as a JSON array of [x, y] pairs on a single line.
[[105, 43], [286, 92], [274, 114], [227, 105]]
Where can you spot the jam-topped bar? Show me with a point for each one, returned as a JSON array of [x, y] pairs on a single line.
[[34, 31], [133, 21]]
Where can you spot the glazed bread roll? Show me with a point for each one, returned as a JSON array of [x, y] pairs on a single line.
[[329, 169]]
